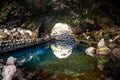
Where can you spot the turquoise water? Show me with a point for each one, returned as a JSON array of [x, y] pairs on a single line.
[[40, 54], [72, 59]]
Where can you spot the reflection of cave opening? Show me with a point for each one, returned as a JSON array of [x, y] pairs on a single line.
[[63, 33], [62, 49]]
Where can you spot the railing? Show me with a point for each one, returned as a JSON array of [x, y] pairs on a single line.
[[10, 45]]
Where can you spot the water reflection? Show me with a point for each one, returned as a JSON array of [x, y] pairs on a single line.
[[27, 54], [62, 49], [48, 53]]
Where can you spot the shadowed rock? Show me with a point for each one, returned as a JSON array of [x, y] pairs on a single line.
[[116, 53]]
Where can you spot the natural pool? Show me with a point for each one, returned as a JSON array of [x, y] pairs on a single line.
[[63, 58]]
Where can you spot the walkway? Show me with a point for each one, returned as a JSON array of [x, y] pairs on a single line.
[[11, 45]]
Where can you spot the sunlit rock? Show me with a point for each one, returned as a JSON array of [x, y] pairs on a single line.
[[103, 51], [90, 51], [102, 48], [11, 60], [115, 38], [15, 33], [62, 31], [101, 43], [8, 72], [9, 69], [23, 31], [62, 49], [103, 54]]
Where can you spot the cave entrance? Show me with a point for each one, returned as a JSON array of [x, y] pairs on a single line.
[[62, 31]]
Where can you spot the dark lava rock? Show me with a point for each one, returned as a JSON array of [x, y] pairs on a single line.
[[116, 52], [116, 73], [78, 30], [112, 45], [19, 75]]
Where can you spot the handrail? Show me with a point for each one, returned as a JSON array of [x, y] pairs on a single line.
[[10, 45]]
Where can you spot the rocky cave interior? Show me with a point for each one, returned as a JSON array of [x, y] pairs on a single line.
[[89, 20]]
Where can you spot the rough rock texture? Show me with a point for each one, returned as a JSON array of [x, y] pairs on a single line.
[[20, 75], [90, 51], [102, 48], [9, 69], [116, 53], [8, 72], [103, 54], [15, 33], [11, 60], [101, 43]]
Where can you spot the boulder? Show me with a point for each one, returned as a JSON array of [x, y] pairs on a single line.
[[102, 54], [8, 72], [116, 52], [100, 67], [103, 51], [11, 60], [102, 48], [101, 43], [90, 51], [9, 69]]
